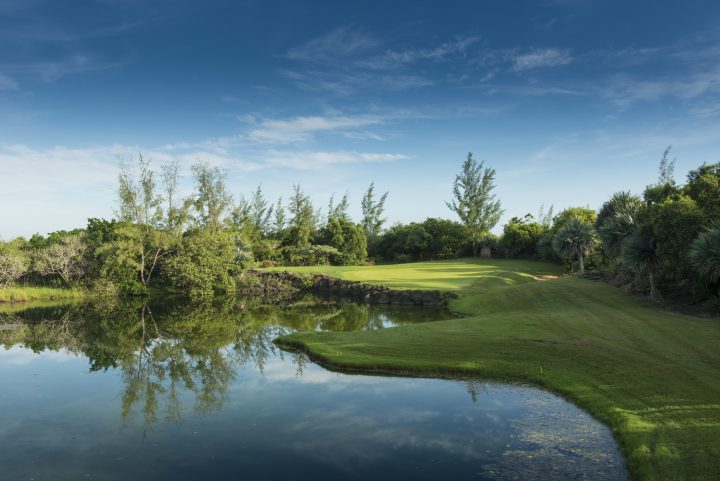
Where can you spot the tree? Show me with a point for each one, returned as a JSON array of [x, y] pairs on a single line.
[[665, 187], [521, 236], [65, 258], [260, 213], [640, 253], [617, 220], [705, 256], [372, 215], [345, 236], [703, 186], [673, 223], [474, 203], [339, 210], [141, 239], [280, 219], [575, 240], [212, 199], [302, 218], [13, 264], [205, 263]]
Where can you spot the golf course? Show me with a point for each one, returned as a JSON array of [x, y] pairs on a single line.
[[651, 375]]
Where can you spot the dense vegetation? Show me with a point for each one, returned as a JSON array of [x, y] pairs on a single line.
[[648, 373], [662, 243]]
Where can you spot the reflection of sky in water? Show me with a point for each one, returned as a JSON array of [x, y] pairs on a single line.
[[290, 419]]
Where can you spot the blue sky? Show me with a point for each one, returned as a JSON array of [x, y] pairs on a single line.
[[569, 100]]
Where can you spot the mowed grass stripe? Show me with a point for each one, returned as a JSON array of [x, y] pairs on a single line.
[[652, 375]]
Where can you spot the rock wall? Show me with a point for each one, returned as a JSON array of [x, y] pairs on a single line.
[[281, 284]]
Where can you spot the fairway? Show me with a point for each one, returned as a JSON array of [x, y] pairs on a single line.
[[653, 376]]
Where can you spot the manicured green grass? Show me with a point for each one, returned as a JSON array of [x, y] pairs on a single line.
[[23, 294], [652, 375]]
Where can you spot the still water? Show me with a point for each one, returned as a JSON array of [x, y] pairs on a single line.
[[128, 391]]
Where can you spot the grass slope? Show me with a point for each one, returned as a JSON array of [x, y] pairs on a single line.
[[653, 376]]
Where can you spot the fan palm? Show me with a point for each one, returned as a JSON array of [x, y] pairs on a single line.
[[616, 221], [639, 252], [575, 240], [705, 255]]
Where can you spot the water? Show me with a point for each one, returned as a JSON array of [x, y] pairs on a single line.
[[126, 391]]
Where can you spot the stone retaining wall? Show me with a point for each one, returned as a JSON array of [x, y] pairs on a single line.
[[270, 284]]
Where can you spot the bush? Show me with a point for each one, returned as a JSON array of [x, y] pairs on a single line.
[[314, 255]]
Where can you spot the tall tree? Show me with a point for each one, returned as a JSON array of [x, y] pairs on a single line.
[[280, 220], [474, 201], [141, 242], [212, 199], [372, 215], [302, 217], [339, 210]]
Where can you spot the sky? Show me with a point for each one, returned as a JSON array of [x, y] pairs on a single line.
[[568, 100]]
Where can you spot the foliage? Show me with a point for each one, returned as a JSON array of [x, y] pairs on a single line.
[[575, 240], [144, 236], [473, 200], [205, 263], [616, 221], [673, 223], [65, 258], [212, 199], [705, 256], [372, 215], [13, 264], [302, 218], [430, 239], [703, 186], [348, 238], [641, 254], [313, 255], [521, 236]]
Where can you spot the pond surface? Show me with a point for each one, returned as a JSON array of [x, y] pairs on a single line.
[[135, 392]]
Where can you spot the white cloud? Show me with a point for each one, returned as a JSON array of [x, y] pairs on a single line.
[[299, 129], [539, 58]]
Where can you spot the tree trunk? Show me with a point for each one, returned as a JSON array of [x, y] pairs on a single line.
[[581, 265], [655, 295]]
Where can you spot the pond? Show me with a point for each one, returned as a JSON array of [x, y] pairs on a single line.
[[125, 391]]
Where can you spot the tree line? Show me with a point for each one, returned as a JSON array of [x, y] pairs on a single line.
[[666, 240]]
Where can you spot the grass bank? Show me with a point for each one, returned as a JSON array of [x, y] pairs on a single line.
[[24, 294], [652, 375]]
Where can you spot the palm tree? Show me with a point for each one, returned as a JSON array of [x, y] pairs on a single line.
[[639, 252], [575, 240], [616, 221], [705, 255]]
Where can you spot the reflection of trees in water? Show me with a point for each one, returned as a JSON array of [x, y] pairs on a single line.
[[166, 352]]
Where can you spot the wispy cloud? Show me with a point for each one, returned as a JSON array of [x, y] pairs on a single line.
[[299, 129], [6, 83], [625, 90], [541, 58], [49, 70], [317, 160], [350, 81], [392, 59], [341, 43]]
